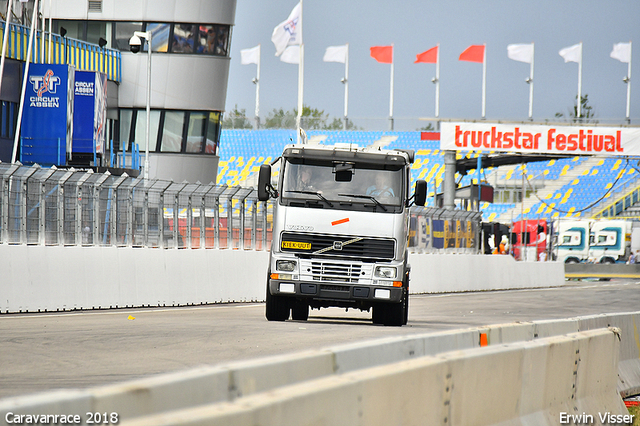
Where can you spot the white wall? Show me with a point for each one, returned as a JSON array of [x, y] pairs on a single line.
[[38, 278]]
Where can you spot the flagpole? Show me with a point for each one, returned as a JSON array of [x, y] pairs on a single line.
[[391, 93], [257, 81], [300, 79], [346, 88], [437, 81], [24, 81], [5, 39], [579, 109], [628, 81], [484, 80], [531, 83]]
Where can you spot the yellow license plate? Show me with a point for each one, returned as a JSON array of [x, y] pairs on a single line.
[[296, 245]]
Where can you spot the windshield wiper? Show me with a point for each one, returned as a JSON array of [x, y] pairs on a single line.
[[369, 197], [319, 195]]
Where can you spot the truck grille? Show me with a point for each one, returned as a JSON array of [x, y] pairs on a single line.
[[335, 272], [343, 246]]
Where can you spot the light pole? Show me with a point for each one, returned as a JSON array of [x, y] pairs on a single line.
[[135, 44]]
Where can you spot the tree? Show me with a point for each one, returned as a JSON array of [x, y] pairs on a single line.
[[587, 114], [236, 119], [312, 119]]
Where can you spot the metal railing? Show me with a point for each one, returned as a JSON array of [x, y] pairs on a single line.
[[67, 207], [81, 208], [64, 50]]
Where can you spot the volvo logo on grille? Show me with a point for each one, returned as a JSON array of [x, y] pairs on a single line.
[[337, 245]]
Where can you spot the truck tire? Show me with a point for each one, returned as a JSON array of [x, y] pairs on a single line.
[[379, 314], [300, 311], [277, 307]]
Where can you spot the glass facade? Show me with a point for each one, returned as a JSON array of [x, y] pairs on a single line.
[[166, 37], [170, 131]]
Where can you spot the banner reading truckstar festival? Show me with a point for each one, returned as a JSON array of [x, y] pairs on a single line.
[[540, 139]]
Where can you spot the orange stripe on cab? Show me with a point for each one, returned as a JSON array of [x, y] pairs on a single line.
[[338, 222]]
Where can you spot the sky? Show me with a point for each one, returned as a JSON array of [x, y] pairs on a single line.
[[413, 26]]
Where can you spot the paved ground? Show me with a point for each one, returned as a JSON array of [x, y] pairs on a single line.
[[40, 352]]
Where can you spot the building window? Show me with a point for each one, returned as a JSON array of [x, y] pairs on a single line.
[[192, 132], [125, 128], [123, 32], [172, 131], [159, 37], [183, 38], [213, 39], [140, 135], [195, 132], [213, 133]]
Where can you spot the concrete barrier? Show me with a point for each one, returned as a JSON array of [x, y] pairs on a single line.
[[599, 270], [629, 324], [521, 383], [226, 383], [39, 279]]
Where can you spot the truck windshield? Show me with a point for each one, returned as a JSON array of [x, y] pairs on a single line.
[[369, 185]]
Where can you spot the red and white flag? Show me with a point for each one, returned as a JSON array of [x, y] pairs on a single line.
[[428, 57], [621, 52], [382, 54], [473, 53]]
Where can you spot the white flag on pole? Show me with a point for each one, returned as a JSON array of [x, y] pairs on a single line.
[[291, 55], [520, 52], [621, 52], [336, 54], [287, 33], [572, 53], [250, 56]]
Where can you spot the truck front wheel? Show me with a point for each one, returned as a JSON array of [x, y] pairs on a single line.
[[277, 307], [392, 314], [300, 311]]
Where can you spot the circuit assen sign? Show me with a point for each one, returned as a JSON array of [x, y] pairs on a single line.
[[578, 140]]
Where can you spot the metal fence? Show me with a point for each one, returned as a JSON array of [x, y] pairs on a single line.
[[82, 208], [69, 207]]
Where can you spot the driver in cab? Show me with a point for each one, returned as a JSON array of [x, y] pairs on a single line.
[[381, 187]]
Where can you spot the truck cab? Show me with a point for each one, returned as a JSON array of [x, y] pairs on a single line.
[[340, 231]]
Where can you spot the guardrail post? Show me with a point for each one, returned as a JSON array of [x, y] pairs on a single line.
[[176, 215], [161, 214], [78, 234], [60, 206], [42, 202], [230, 216]]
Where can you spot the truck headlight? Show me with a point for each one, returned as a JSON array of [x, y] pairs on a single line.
[[385, 271], [286, 265]]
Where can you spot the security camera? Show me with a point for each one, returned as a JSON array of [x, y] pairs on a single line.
[[135, 44]]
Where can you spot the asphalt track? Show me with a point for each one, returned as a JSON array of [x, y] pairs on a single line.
[[40, 352]]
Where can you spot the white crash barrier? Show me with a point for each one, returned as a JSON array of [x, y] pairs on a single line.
[[39, 279], [530, 383], [227, 383]]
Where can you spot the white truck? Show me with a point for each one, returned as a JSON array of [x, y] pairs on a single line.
[[340, 231], [596, 241]]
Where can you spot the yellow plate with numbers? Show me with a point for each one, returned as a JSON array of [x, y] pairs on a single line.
[[296, 245]]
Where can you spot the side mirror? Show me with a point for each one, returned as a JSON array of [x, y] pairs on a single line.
[[420, 192], [264, 182]]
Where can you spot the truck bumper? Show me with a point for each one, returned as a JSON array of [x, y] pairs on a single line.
[[336, 292]]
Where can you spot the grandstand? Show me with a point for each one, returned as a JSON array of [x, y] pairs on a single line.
[[565, 187]]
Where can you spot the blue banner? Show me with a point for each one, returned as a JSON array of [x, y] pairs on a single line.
[[47, 119], [90, 109]]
